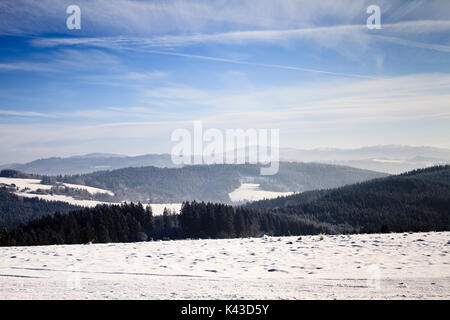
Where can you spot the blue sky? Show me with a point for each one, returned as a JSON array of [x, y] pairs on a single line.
[[137, 70]]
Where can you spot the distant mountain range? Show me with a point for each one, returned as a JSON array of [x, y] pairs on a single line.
[[374, 152], [391, 159], [90, 163]]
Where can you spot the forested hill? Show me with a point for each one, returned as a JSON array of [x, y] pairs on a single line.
[[215, 182], [399, 184], [15, 210], [418, 200], [90, 163]]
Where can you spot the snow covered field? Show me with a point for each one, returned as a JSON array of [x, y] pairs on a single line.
[[27, 186], [63, 198], [157, 208], [253, 192], [35, 184], [386, 266]]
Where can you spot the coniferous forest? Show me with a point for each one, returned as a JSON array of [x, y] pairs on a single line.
[[15, 210], [102, 224], [415, 201]]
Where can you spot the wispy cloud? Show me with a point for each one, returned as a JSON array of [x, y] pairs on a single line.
[[142, 45], [265, 65], [411, 95], [415, 44], [26, 114], [348, 40], [378, 99], [133, 17], [320, 34], [26, 66], [145, 75], [144, 18], [355, 112], [64, 59]]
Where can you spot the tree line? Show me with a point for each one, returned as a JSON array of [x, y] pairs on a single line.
[[102, 224], [132, 222]]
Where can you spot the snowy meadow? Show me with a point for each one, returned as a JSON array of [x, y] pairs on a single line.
[[373, 266]]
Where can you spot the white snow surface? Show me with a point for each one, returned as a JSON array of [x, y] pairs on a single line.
[[157, 208], [35, 184], [253, 192], [59, 197], [376, 266], [30, 185], [91, 190]]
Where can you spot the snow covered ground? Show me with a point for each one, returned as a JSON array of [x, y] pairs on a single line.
[[253, 192], [63, 198], [157, 208], [27, 186], [35, 184], [386, 266]]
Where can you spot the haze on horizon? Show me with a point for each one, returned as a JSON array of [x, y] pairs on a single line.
[[137, 70]]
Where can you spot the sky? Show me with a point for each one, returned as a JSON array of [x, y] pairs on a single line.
[[138, 70]]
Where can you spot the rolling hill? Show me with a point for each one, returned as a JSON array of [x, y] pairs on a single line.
[[415, 201], [90, 163], [215, 182]]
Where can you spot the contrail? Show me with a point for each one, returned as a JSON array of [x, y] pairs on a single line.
[[126, 44], [266, 65]]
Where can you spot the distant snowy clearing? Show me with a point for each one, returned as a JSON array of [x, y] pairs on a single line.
[[26, 186], [253, 192], [58, 197], [157, 208], [377, 266], [35, 184]]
